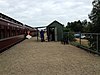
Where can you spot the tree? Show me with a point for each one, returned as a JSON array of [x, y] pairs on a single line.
[[95, 16], [89, 27], [95, 27], [75, 26]]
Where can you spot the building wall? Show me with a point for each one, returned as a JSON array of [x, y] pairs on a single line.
[[59, 32]]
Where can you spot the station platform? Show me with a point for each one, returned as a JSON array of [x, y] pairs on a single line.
[[30, 57]]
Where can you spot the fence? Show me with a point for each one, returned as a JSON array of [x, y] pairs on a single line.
[[88, 41]]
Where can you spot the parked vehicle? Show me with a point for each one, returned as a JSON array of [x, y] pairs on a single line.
[[78, 36]]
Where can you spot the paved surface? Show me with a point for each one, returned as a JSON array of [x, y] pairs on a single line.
[[48, 58]]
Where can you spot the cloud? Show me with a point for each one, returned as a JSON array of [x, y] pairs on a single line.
[[43, 12]]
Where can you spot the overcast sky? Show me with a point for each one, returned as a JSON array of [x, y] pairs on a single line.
[[43, 12]]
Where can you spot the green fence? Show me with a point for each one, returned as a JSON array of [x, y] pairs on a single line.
[[88, 41]]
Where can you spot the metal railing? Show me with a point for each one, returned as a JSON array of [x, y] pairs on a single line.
[[88, 41]]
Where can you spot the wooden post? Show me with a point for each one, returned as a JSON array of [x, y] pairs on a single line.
[[97, 42], [80, 37], [37, 34]]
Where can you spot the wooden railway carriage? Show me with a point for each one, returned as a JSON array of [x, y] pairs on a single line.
[[32, 30], [11, 32]]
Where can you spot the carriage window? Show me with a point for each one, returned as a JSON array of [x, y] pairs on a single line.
[[11, 31], [2, 34], [14, 31], [5, 31], [8, 33], [0, 31]]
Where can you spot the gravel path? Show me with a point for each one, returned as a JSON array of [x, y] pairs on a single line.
[[48, 58]]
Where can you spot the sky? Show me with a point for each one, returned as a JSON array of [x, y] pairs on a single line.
[[37, 13]]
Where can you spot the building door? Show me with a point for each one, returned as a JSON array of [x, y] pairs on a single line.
[[52, 33], [55, 33]]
